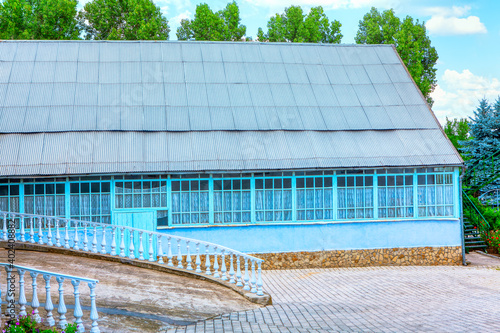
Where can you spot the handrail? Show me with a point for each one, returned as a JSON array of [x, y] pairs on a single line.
[[124, 241], [49, 306], [476, 210]]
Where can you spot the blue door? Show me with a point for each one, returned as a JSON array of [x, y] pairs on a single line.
[[145, 220]]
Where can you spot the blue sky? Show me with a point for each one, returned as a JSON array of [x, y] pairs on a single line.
[[466, 35]]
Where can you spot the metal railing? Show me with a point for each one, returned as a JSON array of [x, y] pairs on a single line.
[[210, 259], [473, 214], [49, 307]]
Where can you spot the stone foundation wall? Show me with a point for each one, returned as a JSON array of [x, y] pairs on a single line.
[[420, 256]]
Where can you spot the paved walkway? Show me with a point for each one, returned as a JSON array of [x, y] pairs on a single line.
[[376, 299]]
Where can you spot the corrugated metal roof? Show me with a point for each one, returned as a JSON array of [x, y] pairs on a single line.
[[210, 105]]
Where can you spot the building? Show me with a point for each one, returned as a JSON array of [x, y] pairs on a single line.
[[262, 147]]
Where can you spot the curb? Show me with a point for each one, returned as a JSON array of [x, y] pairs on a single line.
[[262, 300]]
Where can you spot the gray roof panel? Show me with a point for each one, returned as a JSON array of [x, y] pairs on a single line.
[[65, 72], [21, 71], [47, 51], [5, 68], [87, 72], [67, 52], [25, 51], [317, 103]]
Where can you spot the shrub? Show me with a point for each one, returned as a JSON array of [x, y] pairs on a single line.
[[27, 324]]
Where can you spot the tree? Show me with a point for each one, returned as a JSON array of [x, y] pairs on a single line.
[[294, 26], [124, 19], [457, 131], [484, 142], [39, 19], [207, 25], [411, 41]]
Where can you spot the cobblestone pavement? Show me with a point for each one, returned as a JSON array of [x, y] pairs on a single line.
[[373, 299]]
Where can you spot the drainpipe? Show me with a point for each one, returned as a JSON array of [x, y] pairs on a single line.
[[462, 217]]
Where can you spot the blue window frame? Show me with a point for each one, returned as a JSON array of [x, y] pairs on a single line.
[[45, 198], [9, 197], [354, 195], [232, 200], [144, 192], [314, 196], [91, 201], [190, 201], [395, 193], [435, 192], [273, 197]]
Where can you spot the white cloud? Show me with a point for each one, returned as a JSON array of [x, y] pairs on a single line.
[[326, 4], [449, 21], [458, 94]]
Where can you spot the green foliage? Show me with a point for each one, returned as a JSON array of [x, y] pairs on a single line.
[[123, 20], [207, 25], [457, 131], [411, 41], [482, 150], [493, 239], [26, 324], [491, 215], [39, 19], [296, 27]]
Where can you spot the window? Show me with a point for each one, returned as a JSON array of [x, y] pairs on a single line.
[[45, 199], [314, 198], [355, 195], [141, 193], [435, 194], [190, 202], [395, 195], [9, 197], [232, 203], [273, 199], [90, 201]]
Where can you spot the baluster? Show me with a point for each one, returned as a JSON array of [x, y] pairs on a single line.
[[76, 240], [160, 250], [253, 281], [179, 254], [48, 302], [169, 253], [4, 229], [188, 258], [94, 239], [22, 293], [223, 269], [9, 296], [61, 308], [85, 238], [246, 278], [58, 235], [216, 264], [113, 241], [103, 241], [78, 309], [207, 261], [49, 233], [122, 242], [141, 248], [32, 233], [239, 281], [131, 248], [231, 269], [198, 261], [259, 280], [22, 232], [93, 309], [40, 233], [34, 301], [151, 250], [66, 234]]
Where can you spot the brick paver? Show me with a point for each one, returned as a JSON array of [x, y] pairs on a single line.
[[373, 299]]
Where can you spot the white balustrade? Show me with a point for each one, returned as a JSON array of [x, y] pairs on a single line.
[[125, 241], [47, 277]]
